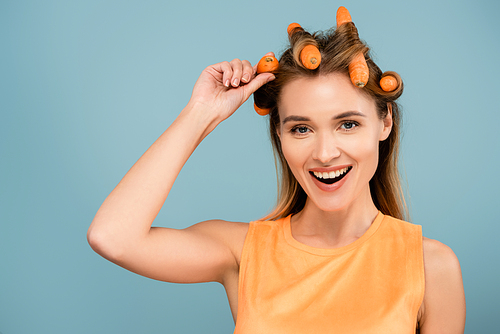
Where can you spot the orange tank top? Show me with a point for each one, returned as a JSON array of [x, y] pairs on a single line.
[[373, 285]]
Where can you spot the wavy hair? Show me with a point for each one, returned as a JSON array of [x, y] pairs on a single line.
[[338, 47]]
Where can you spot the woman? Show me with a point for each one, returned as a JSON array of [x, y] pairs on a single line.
[[334, 255]]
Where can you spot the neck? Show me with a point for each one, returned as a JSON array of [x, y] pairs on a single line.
[[331, 229]]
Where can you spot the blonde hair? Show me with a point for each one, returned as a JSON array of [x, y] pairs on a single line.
[[338, 47]]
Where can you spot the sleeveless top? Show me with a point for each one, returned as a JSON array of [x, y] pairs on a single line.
[[373, 285]]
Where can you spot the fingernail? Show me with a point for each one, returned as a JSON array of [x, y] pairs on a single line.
[[226, 83], [245, 78], [271, 78], [236, 82]]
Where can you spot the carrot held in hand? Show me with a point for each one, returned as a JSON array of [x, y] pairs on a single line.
[[343, 16], [358, 70], [267, 64]]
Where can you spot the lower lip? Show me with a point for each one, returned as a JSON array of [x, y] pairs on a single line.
[[329, 187]]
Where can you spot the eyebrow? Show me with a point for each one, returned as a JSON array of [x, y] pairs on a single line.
[[349, 114], [346, 114]]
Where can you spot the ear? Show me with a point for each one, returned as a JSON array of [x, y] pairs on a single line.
[[386, 131]]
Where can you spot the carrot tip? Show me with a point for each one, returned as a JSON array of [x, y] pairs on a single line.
[[358, 71], [292, 27], [261, 111], [268, 64], [310, 56], [343, 16], [388, 83]]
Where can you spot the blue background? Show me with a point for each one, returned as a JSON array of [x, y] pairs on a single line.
[[86, 87]]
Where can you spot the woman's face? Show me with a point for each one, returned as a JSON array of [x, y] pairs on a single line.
[[329, 133]]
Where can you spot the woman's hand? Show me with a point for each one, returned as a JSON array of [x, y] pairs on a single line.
[[121, 230], [224, 87]]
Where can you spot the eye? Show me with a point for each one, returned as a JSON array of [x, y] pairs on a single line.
[[349, 125], [300, 130]]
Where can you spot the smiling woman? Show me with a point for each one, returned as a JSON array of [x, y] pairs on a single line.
[[340, 48], [335, 255], [340, 134]]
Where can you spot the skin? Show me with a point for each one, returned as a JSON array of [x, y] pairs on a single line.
[[328, 125], [211, 250]]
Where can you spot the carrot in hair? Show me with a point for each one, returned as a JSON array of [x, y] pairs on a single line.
[[388, 83], [261, 111], [343, 16], [358, 70], [292, 27], [310, 57], [267, 64]]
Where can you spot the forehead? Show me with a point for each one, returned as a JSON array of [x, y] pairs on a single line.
[[324, 95]]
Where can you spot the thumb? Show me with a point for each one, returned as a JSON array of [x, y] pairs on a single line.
[[257, 82]]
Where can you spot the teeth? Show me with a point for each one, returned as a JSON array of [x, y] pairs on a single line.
[[330, 175]]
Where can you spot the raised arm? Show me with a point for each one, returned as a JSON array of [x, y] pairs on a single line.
[[121, 230]]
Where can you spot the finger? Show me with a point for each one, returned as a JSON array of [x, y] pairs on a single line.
[[258, 82], [227, 73], [237, 68], [247, 71]]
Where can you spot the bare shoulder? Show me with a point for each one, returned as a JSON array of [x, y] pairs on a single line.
[[438, 257], [443, 308], [232, 234]]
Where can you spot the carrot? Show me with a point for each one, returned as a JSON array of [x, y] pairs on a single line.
[[261, 111], [292, 26], [358, 70], [267, 64], [310, 57], [343, 16], [388, 83]]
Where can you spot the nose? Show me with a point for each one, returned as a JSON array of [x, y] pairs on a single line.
[[326, 149]]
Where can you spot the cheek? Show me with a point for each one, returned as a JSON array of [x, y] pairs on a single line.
[[363, 150], [290, 152], [367, 154], [295, 153]]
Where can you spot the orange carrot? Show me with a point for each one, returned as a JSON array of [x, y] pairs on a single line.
[[310, 57], [261, 111], [292, 26], [267, 64], [343, 16], [388, 83], [358, 70]]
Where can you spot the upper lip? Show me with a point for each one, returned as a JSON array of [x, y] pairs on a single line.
[[328, 169]]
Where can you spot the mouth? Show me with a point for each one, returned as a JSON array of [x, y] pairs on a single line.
[[331, 177]]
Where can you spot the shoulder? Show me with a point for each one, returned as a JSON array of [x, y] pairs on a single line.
[[440, 263], [220, 227], [228, 233], [439, 258], [444, 300]]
